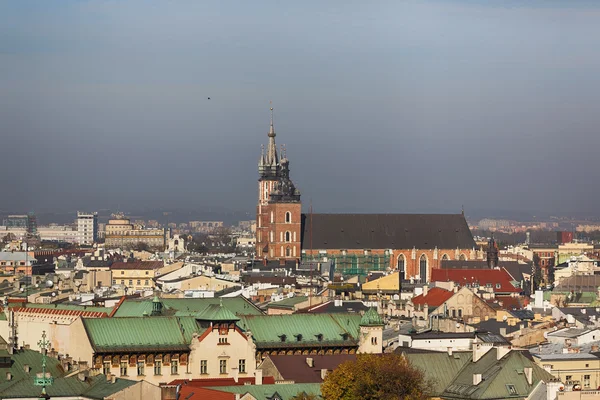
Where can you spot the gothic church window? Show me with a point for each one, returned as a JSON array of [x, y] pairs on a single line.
[[288, 217], [401, 263], [288, 252], [423, 268], [288, 236]]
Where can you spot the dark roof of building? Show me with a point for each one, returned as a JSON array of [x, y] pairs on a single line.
[[296, 368], [137, 265], [387, 231], [442, 335], [514, 268], [481, 277], [494, 326], [579, 283]]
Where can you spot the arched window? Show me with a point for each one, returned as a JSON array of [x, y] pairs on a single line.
[[462, 257], [401, 262], [288, 217], [445, 257], [288, 252], [423, 268], [288, 237]]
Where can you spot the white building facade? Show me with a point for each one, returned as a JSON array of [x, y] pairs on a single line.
[[87, 227]]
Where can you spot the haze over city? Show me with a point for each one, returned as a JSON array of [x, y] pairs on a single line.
[[384, 107]]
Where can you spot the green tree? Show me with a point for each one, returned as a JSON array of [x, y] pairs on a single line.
[[550, 271], [376, 376]]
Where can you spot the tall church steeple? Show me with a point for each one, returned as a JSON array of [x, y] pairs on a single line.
[[278, 213]]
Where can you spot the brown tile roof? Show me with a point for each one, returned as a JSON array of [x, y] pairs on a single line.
[[386, 231], [482, 277], [296, 368], [435, 297], [137, 265]]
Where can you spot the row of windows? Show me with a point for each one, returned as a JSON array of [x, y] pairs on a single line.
[[139, 282], [141, 367], [123, 272]]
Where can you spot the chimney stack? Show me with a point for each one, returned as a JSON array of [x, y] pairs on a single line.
[[310, 362], [258, 377], [477, 378], [529, 375], [323, 374], [450, 351], [425, 290]]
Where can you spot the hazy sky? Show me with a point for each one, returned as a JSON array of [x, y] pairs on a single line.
[[397, 106]]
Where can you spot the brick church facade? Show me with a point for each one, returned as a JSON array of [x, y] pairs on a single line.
[[353, 243]]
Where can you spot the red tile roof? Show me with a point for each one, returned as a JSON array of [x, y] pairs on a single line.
[[435, 297], [199, 393], [137, 265], [482, 277], [54, 311]]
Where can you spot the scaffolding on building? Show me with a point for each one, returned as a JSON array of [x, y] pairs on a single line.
[[352, 264]]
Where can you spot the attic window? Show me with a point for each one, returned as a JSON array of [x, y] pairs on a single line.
[[282, 337], [319, 337], [498, 286], [512, 390], [345, 336], [299, 337]]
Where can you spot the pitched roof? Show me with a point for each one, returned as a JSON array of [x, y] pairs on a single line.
[[202, 393], [288, 303], [387, 283], [140, 334], [482, 277], [144, 265], [296, 368], [438, 365], [387, 231], [263, 392], [238, 305], [435, 297], [269, 331], [21, 384], [371, 318], [514, 268], [343, 306], [216, 312], [496, 376]]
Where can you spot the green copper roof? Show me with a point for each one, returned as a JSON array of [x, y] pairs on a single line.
[[216, 312], [371, 318], [21, 385], [440, 366], [285, 391], [302, 329], [186, 307], [141, 334]]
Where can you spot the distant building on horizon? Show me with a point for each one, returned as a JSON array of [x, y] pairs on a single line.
[[87, 227]]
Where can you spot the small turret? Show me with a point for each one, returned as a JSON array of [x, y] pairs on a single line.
[[371, 332], [492, 253], [157, 306]]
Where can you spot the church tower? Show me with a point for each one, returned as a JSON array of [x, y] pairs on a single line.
[[278, 213], [492, 253]]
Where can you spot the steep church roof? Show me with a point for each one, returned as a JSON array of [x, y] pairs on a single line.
[[386, 231]]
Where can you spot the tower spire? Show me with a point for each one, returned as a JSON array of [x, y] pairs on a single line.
[[272, 159]]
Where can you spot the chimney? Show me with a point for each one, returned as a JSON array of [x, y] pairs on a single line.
[[26, 347], [594, 348], [258, 377], [502, 331], [450, 351], [113, 378], [81, 376], [477, 378], [583, 311], [8, 376], [502, 351], [234, 374], [528, 375], [310, 362], [26, 368], [323, 374], [425, 290]]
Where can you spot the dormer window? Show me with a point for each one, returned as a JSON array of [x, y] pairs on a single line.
[[319, 337], [282, 337], [345, 336], [299, 337]]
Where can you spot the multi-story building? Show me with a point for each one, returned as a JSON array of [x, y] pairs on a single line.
[[58, 233], [572, 368], [87, 227], [135, 275], [120, 232], [18, 262]]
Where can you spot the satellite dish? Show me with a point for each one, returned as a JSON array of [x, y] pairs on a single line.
[[49, 283], [504, 318]]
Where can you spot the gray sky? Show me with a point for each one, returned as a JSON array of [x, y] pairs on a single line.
[[397, 106]]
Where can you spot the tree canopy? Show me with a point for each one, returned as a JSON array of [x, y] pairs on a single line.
[[376, 376]]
